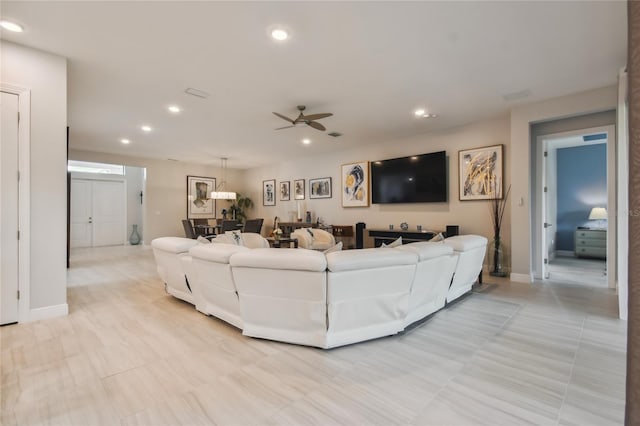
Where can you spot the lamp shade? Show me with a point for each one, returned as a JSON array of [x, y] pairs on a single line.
[[598, 213], [223, 195]]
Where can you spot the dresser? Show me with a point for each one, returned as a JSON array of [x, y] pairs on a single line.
[[591, 243]]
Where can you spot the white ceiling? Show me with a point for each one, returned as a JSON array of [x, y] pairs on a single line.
[[369, 63]]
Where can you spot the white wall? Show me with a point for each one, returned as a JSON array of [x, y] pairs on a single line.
[[473, 217], [165, 203], [522, 117], [46, 76]]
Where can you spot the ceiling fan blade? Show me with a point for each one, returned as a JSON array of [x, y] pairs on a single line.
[[285, 127], [284, 118], [317, 126], [317, 116]]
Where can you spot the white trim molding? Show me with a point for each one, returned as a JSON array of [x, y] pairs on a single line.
[[48, 312], [521, 278], [24, 194]]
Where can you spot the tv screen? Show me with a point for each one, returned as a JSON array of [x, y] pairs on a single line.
[[414, 179]]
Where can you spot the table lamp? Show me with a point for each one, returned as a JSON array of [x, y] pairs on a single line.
[[599, 214]]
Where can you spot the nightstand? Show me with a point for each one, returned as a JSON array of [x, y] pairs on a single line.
[[591, 243]]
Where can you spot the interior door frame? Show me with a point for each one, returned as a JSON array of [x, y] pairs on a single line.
[[539, 246], [24, 197]]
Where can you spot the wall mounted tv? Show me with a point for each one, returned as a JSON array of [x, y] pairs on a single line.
[[414, 179]]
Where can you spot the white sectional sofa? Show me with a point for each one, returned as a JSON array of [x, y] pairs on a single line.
[[324, 300]]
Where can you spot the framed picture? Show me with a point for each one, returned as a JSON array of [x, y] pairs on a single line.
[[200, 205], [355, 184], [480, 173], [298, 189], [269, 192], [285, 191], [320, 188]]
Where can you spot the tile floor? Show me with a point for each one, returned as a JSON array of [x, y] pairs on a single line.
[[130, 354]]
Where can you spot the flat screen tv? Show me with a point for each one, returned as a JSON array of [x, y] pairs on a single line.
[[414, 179]]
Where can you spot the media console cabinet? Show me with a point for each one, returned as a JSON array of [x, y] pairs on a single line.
[[375, 237]]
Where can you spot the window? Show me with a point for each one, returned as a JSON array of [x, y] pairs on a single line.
[[87, 167]]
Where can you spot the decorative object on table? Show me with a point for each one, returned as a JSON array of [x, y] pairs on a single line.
[[307, 218], [269, 192], [277, 233], [134, 238], [404, 226], [480, 173], [224, 214], [320, 188], [355, 184], [390, 227], [199, 205], [298, 189], [599, 214], [285, 191], [498, 205], [239, 206], [220, 192], [419, 228]]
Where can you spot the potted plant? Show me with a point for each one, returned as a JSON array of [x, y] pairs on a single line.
[[239, 206]]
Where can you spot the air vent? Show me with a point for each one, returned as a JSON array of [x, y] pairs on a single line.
[[198, 93], [171, 159], [516, 95], [335, 134]]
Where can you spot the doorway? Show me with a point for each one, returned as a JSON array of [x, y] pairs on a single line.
[[98, 209], [576, 186]]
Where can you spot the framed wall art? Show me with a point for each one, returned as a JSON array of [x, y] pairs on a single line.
[[200, 205], [298, 189], [269, 192], [285, 191], [320, 188], [480, 173], [355, 184]]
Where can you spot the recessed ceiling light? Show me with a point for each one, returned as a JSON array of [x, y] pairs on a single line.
[[414, 158], [125, 141], [146, 128], [419, 112], [306, 141], [279, 34], [174, 109], [11, 26]]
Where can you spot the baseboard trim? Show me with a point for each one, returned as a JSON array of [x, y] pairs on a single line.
[[47, 312], [521, 278]]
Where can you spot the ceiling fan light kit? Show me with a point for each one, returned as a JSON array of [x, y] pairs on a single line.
[[309, 120]]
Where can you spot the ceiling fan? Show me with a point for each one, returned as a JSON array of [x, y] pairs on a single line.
[[309, 120]]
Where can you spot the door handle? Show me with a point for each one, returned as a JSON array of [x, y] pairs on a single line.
[[90, 220], [547, 225]]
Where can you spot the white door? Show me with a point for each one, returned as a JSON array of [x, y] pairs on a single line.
[[9, 209], [81, 219], [97, 213], [108, 213]]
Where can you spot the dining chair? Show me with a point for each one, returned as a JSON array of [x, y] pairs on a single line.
[[188, 229], [253, 225], [229, 225], [200, 226]]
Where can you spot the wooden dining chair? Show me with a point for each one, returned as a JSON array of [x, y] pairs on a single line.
[[229, 225], [188, 229], [253, 225]]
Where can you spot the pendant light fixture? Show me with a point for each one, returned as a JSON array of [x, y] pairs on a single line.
[[220, 193]]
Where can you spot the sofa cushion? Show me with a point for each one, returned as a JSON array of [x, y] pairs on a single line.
[[395, 243], [335, 247], [202, 240], [281, 258], [466, 242], [173, 244], [437, 238], [350, 260], [427, 250], [219, 253]]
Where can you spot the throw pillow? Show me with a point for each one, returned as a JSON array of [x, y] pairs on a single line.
[[236, 237], [203, 240], [437, 238], [396, 243], [309, 231], [336, 247]]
